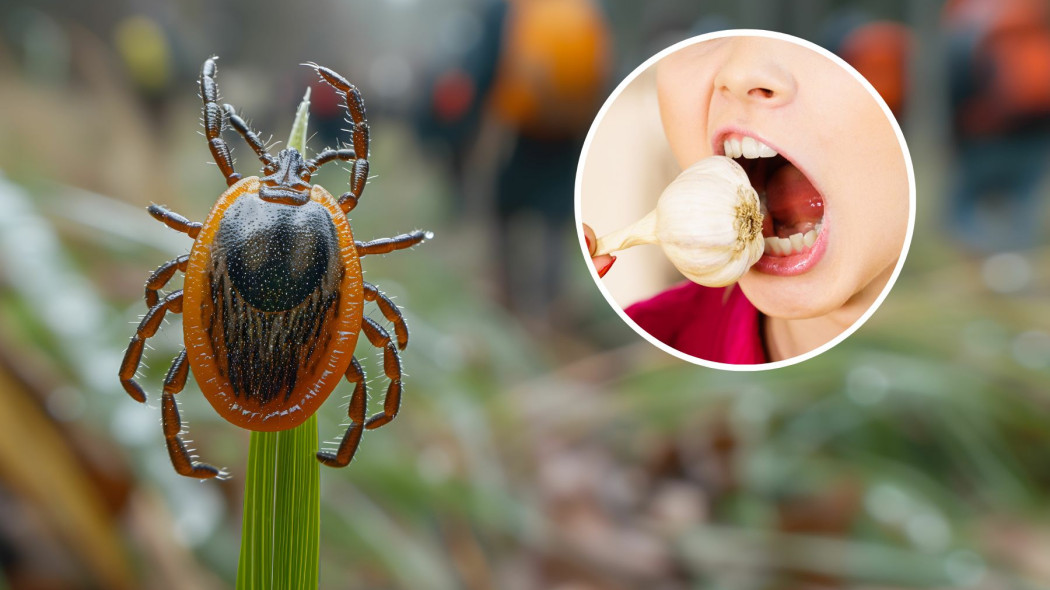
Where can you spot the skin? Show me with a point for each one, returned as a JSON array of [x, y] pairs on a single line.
[[601, 263], [826, 123]]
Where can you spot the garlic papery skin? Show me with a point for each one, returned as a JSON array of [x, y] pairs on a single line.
[[708, 222]]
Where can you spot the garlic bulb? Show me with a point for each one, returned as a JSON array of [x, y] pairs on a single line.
[[708, 222]]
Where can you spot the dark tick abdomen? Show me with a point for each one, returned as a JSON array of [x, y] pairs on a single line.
[[274, 280]]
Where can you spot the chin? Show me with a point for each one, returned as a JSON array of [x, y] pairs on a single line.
[[790, 298]]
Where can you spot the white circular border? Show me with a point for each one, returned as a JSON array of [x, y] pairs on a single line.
[[802, 43]]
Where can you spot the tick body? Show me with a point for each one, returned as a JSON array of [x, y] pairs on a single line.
[[272, 306], [273, 297]]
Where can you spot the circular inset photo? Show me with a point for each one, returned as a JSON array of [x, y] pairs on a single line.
[[746, 199]]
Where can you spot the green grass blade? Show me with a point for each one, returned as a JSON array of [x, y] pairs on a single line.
[[280, 536], [297, 138], [254, 569], [297, 525]]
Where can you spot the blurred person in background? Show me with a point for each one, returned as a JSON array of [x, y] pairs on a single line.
[[879, 50], [514, 111], [450, 113], [145, 50], [999, 91]]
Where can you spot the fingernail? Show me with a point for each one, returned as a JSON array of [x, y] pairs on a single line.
[[605, 269]]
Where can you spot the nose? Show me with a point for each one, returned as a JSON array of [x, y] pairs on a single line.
[[753, 76]]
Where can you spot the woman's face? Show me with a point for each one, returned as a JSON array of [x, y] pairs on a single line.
[[835, 191]]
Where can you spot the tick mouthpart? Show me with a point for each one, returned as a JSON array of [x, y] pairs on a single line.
[[289, 182], [284, 195]]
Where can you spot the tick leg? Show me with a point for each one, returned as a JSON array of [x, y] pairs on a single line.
[[180, 455], [358, 176], [175, 221], [358, 134], [385, 245], [390, 312], [329, 155], [251, 138], [356, 375], [213, 122], [391, 366], [147, 328], [161, 276]]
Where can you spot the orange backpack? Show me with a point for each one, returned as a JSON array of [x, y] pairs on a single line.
[[1012, 54], [1020, 58], [553, 68]]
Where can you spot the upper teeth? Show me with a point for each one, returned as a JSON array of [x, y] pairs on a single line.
[[748, 147]]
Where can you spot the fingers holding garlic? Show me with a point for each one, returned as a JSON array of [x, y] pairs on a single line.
[[708, 222], [603, 262]]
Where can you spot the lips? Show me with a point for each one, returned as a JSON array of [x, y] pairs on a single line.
[[795, 227]]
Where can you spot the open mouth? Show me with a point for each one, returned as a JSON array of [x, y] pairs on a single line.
[[793, 226]]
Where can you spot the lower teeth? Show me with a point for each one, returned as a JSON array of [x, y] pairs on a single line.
[[792, 244]]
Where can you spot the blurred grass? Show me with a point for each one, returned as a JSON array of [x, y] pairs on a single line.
[[51, 478]]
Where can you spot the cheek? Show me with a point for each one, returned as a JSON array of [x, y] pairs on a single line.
[[684, 98], [866, 200], [869, 204]]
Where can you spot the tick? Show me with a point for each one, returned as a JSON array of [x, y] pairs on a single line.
[[273, 296]]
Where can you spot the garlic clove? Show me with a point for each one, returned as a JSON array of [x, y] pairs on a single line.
[[708, 222]]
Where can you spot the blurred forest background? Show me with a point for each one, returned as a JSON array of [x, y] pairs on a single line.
[[541, 444]]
